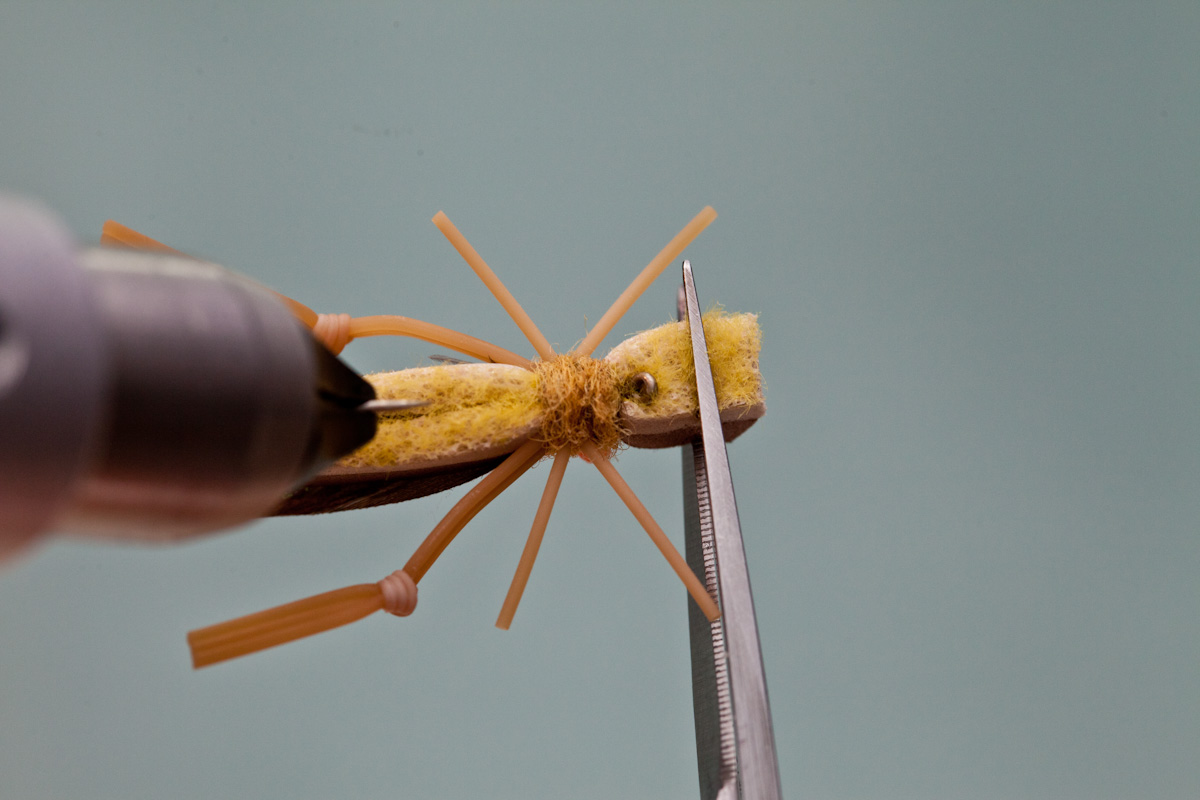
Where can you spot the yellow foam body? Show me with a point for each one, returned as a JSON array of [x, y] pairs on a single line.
[[479, 409], [665, 352], [473, 407]]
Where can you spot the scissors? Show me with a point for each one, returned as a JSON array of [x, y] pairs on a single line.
[[735, 742]]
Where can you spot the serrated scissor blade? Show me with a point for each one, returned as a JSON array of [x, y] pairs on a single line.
[[735, 742]]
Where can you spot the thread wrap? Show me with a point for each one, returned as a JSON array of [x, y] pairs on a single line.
[[581, 399]]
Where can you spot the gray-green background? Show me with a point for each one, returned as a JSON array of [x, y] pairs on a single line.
[[971, 513]]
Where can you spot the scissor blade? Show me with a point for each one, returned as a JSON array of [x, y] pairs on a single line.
[[757, 764], [712, 703]]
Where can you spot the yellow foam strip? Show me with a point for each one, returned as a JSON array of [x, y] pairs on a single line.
[[694, 586], [476, 262], [471, 504], [286, 623], [534, 542], [644, 279], [391, 325]]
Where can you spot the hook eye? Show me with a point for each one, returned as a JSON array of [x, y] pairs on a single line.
[[645, 388]]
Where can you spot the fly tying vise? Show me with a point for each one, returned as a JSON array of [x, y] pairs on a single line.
[[503, 415]]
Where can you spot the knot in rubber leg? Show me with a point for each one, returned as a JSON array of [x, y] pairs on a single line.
[[399, 593], [333, 331]]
